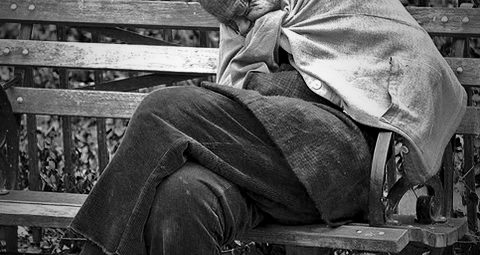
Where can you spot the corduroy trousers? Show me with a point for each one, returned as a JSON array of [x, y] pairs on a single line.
[[196, 210]]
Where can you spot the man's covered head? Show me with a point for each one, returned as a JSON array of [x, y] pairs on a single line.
[[226, 11], [230, 11]]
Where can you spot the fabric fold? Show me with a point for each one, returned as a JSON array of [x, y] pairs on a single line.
[[371, 58]]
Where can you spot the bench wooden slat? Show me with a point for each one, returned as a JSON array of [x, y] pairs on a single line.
[[181, 60], [471, 122], [448, 21], [352, 237], [188, 60], [39, 209], [467, 70], [35, 197], [154, 14], [441, 235], [38, 215], [74, 102], [49, 209], [122, 105], [191, 15]]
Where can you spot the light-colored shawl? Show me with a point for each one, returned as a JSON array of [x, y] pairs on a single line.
[[369, 57]]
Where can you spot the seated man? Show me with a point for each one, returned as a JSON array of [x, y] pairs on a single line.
[[285, 137]]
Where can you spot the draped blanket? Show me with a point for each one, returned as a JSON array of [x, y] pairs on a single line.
[[370, 58]]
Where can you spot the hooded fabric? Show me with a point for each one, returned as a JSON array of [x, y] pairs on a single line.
[[371, 58], [226, 10]]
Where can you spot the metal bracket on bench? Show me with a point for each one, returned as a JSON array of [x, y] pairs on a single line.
[[377, 178], [8, 137], [429, 207], [15, 81]]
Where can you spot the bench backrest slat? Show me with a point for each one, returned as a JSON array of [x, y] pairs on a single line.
[[154, 14], [448, 21], [188, 60], [162, 14], [470, 124], [467, 70], [50, 198], [169, 59], [123, 104], [74, 102]]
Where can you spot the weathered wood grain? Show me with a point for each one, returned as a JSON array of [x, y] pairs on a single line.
[[441, 234], [38, 215], [344, 237], [123, 104], [180, 60], [152, 14], [74, 102], [157, 14], [168, 59], [47, 209], [51, 209], [467, 70], [434, 235], [43, 197], [447, 21], [39, 209]]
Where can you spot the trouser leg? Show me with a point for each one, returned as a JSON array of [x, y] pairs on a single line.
[[170, 127], [196, 211]]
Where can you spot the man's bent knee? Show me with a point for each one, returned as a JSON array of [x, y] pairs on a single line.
[[171, 98], [189, 189]]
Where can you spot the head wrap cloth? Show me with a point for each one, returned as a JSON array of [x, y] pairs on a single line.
[[226, 10]]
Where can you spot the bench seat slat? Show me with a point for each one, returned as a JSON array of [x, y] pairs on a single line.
[[344, 237], [49, 209], [44, 197], [19, 214], [168, 59], [153, 14], [51, 214], [123, 104]]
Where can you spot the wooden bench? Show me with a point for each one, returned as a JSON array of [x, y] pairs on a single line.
[[165, 63]]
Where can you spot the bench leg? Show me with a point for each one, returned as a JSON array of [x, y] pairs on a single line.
[[10, 236], [297, 250]]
